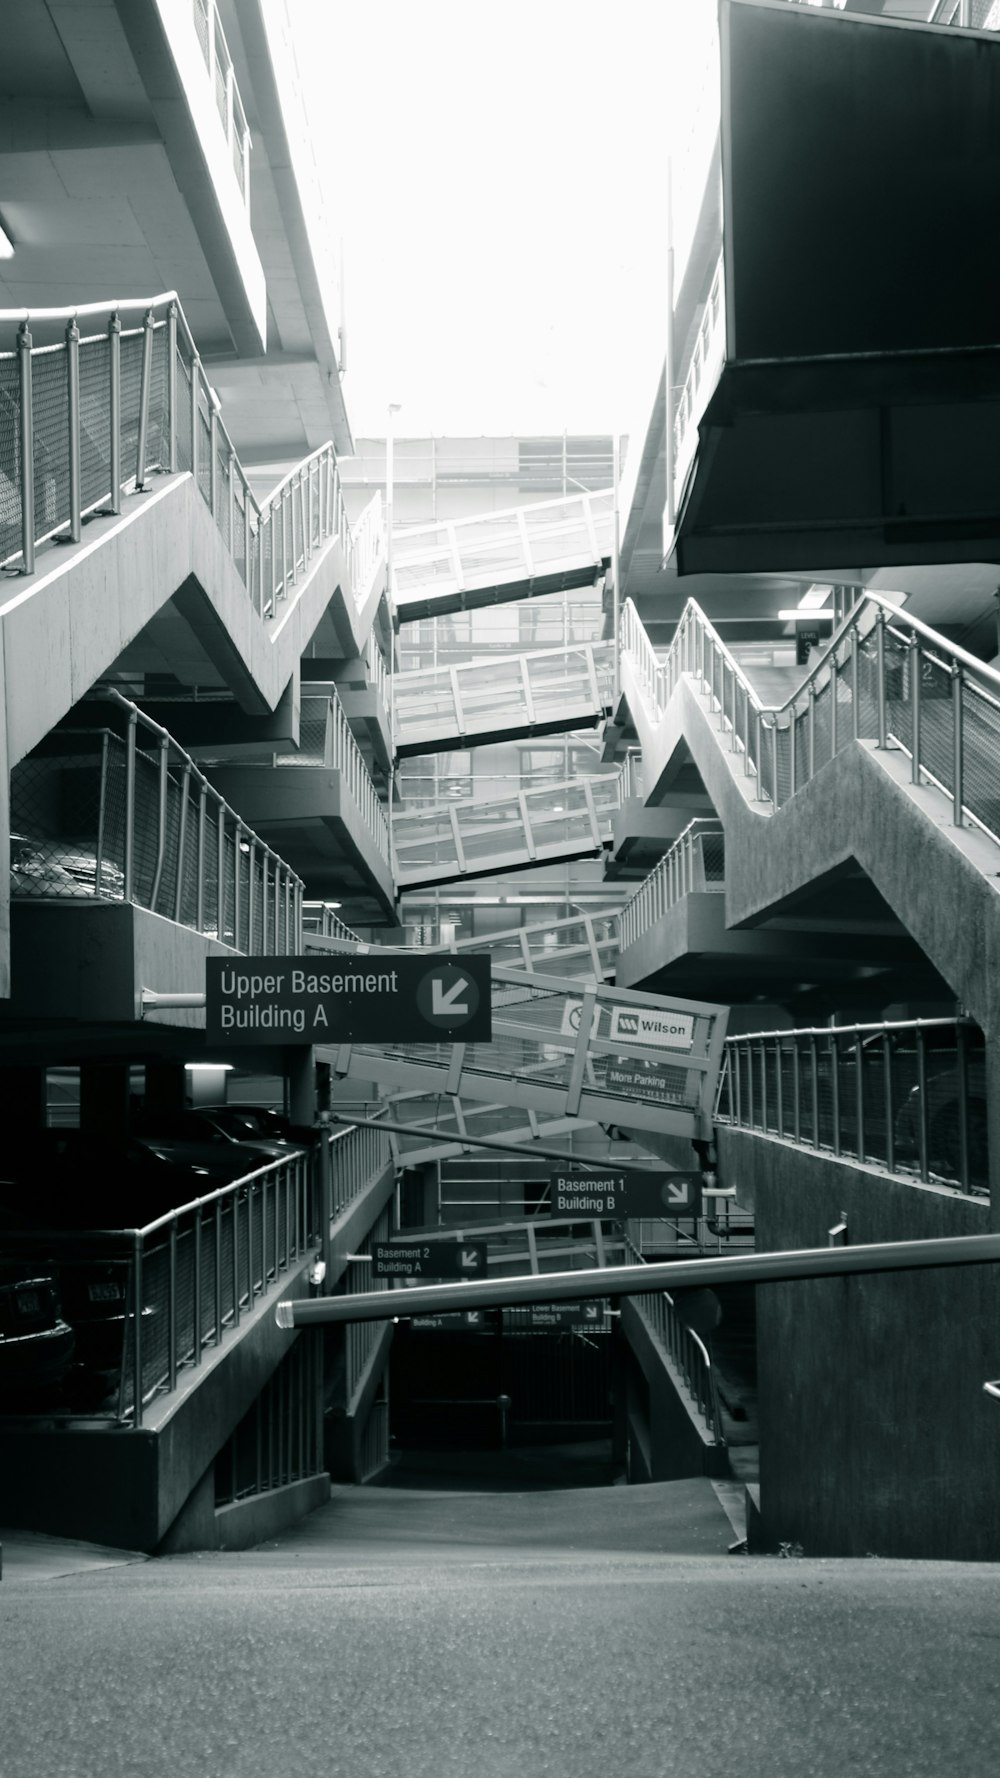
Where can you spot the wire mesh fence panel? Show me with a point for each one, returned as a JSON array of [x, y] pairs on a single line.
[[239, 542], [10, 456], [131, 350], [222, 470], [158, 420], [50, 414], [95, 423], [980, 718], [182, 411], [204, 448], [844, 678]]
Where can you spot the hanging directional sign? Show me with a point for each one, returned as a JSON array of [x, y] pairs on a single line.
[[426, 1262], [467, 1321], [625, 1193], [575, 1316], [364, 999]]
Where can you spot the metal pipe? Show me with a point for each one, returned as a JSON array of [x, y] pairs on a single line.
[[467, 1141], [27, 443], [880, 689], [137, 1332], [73, 414], [915, 737], [172, 388], [554, 1287], [958, 745]]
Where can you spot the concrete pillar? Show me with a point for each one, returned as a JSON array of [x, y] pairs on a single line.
[[166, 1086], [104, 1103], [300, 1072], [22, 1098]]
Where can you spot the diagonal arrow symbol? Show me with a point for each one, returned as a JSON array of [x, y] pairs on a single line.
[[678, 1193], [470, 1259], [444, 1000]]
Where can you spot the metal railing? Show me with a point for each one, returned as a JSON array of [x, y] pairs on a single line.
[[707, 358], [321, 920], [695, 861], [219, 63], [327, 739], [193, 1274], [563, 820], [87, 417], [884, 677], [517, 544], [502, 693], [554, 1054], [138, 822], [967, 15], [907, 1097], [687, 1352]]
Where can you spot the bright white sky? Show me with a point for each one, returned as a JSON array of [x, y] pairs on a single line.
[[498, 173]]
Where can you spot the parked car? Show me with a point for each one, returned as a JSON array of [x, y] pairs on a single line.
[[197, 1136], [36, 1344], [44, 868], [253, 1123]]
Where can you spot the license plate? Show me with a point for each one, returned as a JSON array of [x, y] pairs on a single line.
[[105, 1293]]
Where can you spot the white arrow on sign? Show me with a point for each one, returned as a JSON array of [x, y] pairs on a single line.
[[444, 1000], [591, 1311], [469, 1261], [678, 1194]]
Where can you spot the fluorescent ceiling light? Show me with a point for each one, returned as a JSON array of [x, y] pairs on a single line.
[[6, 244], [798, 616], [214, 1067], [814, 597]]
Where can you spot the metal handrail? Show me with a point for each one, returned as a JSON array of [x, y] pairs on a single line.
[[320, 918], [195, 1271], [883, 677], [681, 871], [508, 545], [490, 693], [889, 1095], [461, 838], [707, 355], [682, 1345], [139, 401], [161, 837]]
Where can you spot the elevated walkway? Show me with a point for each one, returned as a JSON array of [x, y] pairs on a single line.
[[483, 837], [516, 554], [880, 771], [501, 697], [605, 1057]]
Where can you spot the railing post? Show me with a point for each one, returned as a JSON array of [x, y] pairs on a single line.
[[833, 705], [27, 441], [915, 711], [792, 750], [115, 410], [172, 1306], [775, 798], [73, 414], [859, 1095], [172, 389], [811, 731], [185, 791], [145, 384], [814, 1088], [889, 1107], [835, 1088], [855, 683], [129, 860], [161, 822], [958, 744], [213, 467], [220, 880], [200, 884], [880, 676], [195, 417], [137, 1282], [237, 898]]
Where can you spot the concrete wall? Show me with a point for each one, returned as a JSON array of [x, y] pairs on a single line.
[[875, 1435]]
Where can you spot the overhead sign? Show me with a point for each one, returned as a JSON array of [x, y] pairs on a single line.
[[467, 1321], [572, 1017], [409, 999], [634, 1079], [428, 1261], [627, 1193], [652, 1026], [569, 1315]]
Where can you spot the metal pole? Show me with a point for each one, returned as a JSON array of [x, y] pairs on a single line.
[[640, 1280], [129, 862], [115, 410], [958, 745], [172, 389], [27, 441], [144, 387], [616, 614], [73, 406]]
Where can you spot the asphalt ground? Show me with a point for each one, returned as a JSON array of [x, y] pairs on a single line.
[[594, 1633]]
